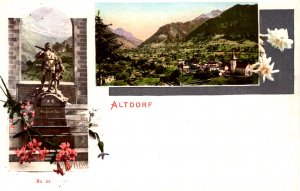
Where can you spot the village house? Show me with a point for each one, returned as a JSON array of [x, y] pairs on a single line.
[[194, 64], [213, 65], [183, 66]]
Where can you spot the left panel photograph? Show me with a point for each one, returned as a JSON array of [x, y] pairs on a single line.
[[47, 92]]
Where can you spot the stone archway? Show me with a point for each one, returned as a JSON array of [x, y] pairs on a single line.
[[78, 91]]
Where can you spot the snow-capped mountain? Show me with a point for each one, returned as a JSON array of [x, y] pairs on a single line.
[[42, 26], [48, 22]]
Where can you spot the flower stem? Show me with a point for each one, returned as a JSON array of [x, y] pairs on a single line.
[[29, 135]]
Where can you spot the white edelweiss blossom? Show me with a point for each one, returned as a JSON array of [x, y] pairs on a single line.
[[265, 69], [278, 38]]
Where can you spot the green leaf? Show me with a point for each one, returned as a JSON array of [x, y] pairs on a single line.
[[7, 91], [93, 134], [101, 146], [97, 136], [19, 134], [90, 125], [3, 90], [34, 132], [53, 158]]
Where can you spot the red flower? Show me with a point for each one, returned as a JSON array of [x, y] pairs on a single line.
[[64, 146], [32, 113], [24, 155], [72, 154], [42, 154], [59, 170], [34, 145], [65, 155], [28, 152], [67, 165]]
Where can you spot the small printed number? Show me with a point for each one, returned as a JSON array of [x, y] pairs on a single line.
[[40, 181]]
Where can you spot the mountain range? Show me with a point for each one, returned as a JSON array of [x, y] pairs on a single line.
[[172, 32], [176, 32], [39, 28], [239, 22], [48, 22], [30, 39]]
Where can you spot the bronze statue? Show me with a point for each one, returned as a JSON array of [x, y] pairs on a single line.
[[51, 66]]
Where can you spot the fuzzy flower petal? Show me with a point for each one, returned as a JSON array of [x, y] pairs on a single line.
[[265, 69], [278, 38]]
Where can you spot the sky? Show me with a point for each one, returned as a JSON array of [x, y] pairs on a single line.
[[144, 19]]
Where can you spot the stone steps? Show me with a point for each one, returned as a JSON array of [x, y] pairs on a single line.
[[45, 166]]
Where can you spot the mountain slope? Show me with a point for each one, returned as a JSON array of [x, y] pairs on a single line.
[[176, 32], [127, 36], [237, 23], [125, 44], [173, 32], [29, 39], [210, 15]]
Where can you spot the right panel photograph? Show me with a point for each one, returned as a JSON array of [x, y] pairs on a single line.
[[177, 44]]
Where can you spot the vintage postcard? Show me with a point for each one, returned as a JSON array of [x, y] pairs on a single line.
[[163, 95]]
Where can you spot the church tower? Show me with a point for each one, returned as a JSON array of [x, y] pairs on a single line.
[[233, 63]]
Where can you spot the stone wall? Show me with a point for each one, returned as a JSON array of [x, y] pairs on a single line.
[[14, 66], [77, 119], [80, 58]]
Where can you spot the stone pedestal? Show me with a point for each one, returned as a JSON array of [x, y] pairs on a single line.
[[58, 121], [50, 119]]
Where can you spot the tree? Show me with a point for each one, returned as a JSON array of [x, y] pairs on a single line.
[[107, 47], [56, 46], [160, 69], [168, 61], [174, 77]]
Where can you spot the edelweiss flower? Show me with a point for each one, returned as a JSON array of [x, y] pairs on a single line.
[[265, 69], [278, 38]]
